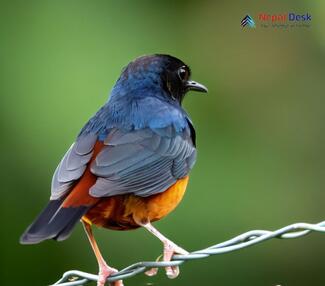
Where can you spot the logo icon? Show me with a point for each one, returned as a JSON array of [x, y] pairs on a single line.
[[248, 21]]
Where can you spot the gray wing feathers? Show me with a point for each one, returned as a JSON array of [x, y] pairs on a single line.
[[117, 137], [143, 162], [73, 165], [85, 143]]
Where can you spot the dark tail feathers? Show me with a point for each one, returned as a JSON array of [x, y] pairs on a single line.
[[54, 222]]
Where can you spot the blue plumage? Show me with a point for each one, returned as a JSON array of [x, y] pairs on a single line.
[[144, 129], [140, 99], [147, 143]]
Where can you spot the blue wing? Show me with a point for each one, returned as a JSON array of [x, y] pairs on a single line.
[[143, 162]]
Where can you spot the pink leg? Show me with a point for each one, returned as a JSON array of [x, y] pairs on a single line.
[[170, 248], [104, 270]]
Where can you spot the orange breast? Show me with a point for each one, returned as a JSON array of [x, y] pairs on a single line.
[[125, 211]]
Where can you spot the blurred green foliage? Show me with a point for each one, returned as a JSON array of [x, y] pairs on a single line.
[[260, 131]]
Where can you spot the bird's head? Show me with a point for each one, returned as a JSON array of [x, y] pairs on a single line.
[[157, 75]]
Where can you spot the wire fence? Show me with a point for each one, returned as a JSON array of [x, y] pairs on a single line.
[[76, 277]]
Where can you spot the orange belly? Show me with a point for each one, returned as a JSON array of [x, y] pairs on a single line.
[[124, 211]]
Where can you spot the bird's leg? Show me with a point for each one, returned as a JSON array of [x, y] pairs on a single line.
[[104, 270], [170, 248]]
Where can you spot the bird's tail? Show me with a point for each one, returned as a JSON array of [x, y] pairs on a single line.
[[54, 222]]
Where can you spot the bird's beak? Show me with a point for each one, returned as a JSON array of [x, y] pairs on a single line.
[[193, 85]]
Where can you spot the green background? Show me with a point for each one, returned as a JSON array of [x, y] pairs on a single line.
[[260, 131]]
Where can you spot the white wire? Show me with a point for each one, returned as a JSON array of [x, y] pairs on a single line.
[[76, 277]]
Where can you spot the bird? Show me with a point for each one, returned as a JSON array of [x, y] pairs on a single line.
[[129, 165]]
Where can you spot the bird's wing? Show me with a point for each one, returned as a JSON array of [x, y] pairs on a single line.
[[143, 162], [72, 165]]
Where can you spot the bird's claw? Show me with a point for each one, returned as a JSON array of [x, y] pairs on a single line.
[[172, 272], [104, 272], [170, 249], [151, 272]]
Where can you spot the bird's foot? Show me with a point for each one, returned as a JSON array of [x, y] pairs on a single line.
[[170, 248], [104, 272]]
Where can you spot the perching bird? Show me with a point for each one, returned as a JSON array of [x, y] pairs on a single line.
[[130, 164]]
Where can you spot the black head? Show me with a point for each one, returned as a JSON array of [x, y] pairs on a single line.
[[161, 71]]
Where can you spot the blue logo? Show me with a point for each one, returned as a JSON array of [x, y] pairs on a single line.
[[248, 21]]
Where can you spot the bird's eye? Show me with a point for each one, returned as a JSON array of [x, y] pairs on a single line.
[[183, 73]]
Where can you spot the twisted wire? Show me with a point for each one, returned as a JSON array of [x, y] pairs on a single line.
[[76, 277]]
